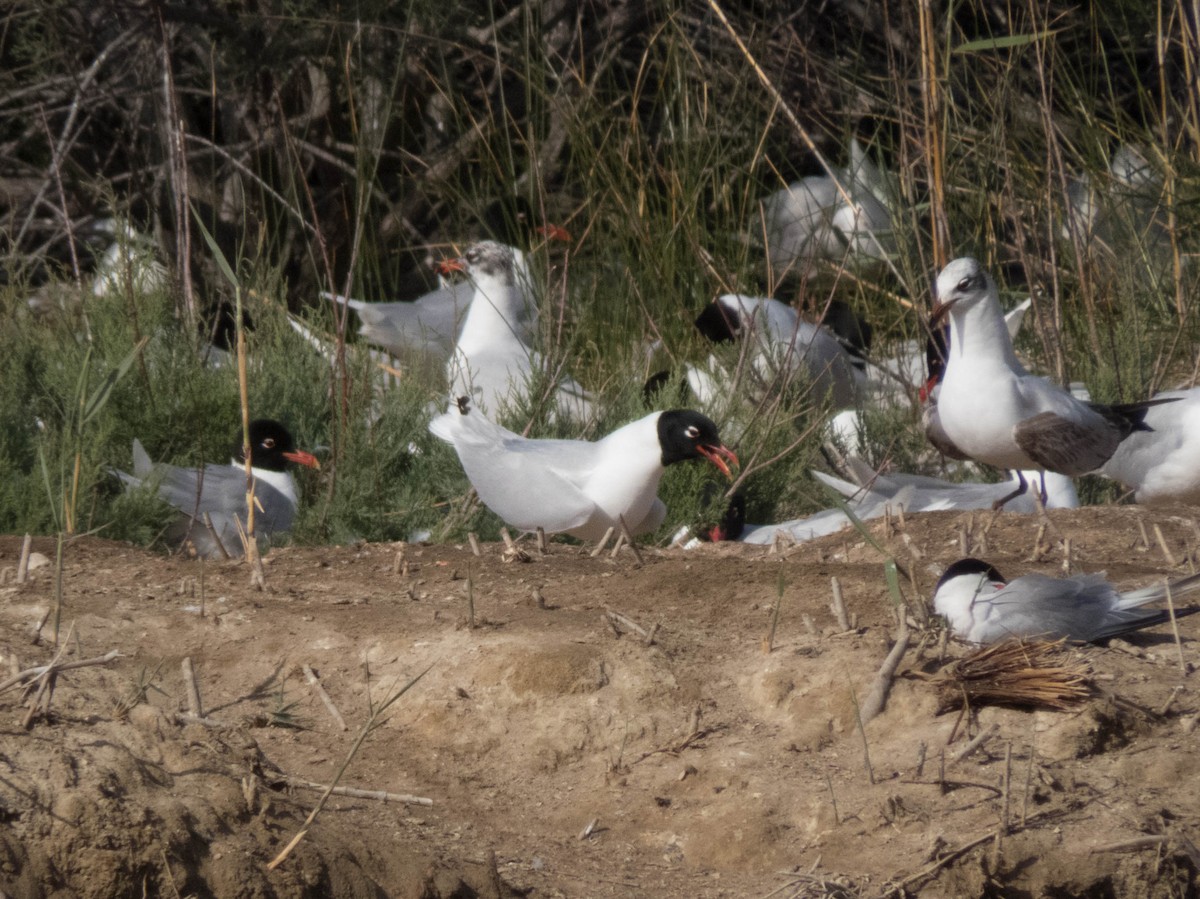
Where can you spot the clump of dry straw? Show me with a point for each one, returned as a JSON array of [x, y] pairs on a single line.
[[1024, 673]]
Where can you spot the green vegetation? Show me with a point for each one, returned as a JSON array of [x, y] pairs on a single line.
[[335, 149]]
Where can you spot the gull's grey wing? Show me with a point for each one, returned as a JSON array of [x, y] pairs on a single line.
[[1066, 446]]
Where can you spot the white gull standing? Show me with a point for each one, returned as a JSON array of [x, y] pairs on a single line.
[[996, 412], [982, 607], [579, 487]]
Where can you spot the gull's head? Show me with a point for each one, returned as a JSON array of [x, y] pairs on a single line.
[[962, 284], [488, 259], [685, 434], [721, 320], [272, 447]]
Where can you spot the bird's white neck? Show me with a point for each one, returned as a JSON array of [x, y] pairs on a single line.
[[980, 333], [496, 308]]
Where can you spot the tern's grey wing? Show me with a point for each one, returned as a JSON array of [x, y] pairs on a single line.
[[1066, 446], [1078, 608]]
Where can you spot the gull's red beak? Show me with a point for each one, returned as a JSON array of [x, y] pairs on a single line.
[[302, 458], [717, 456], [446, 266], [940, 311], [555, 232], [926, 390]]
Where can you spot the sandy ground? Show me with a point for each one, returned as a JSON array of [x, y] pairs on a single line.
[[567, 755]]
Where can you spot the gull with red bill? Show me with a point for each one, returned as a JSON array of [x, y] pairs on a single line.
[[579, 487], [212, 499], [994, 411]]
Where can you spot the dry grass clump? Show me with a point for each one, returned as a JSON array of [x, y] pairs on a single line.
[[1029, 674]]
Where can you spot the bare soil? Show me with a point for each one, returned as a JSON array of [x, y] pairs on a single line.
[[567, 755]]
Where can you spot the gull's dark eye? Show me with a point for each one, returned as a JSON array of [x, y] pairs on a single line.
[[692, 432], [964, 284], [268, 443]]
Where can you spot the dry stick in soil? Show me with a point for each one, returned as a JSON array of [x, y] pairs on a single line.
[[979, 740], [603, 542], [372, 722], [875, 700], [23, 564], [22, 676], [769, 641], [315, 683], [1175, 628], [355, 793], [47, 681], [839, 605], [193, 691]]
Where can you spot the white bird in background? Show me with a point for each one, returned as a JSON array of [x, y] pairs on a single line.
[[576, 486], [493, 363], [1124, 208], [786, 344], [982, 607], [994, 411], [813, 219], [212, 499], [428, 324], [1163, 464]]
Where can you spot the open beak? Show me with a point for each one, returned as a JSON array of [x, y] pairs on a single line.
[[302, 458], [940, 311], [717, 456], [446, 266]]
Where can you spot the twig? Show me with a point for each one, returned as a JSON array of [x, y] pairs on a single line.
[[315, 683], [508, 541], [629, 539], [1162, 544], [193, 691], [355, 793], [839, 605], [1146, 842], [1166, 706], [589, 829], [23, 565], [628, 622], [1175, 626], [541, 540], [603, 542], [474, 541], [981, 738], [875, 700], [22, 676]]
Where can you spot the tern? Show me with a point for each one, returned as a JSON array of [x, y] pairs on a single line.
[[1163, 466], [212, 499], [980, 606], [579, 487], [996, 412]]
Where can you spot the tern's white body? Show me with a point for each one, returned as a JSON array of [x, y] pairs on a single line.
[[563, 486], [1084, 608], [994, 410], [1163, 465], [212, 502]]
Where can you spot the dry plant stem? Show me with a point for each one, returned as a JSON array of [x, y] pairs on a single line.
[[979, 740], [541, 540], [508, 540], [862, 730], [1132, 844], [22, 676], [315, 683], [369, 726], [1166, 706], [1175, 628], [589, 829], [839, 605], [1166, 550], [355, 793], [875, 700], [474, 541], [628, 622], [603, 542], [23, 564], [193, 691]]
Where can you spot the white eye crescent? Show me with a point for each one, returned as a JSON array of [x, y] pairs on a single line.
[[268, 443], [964, 284], [692, 432]]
